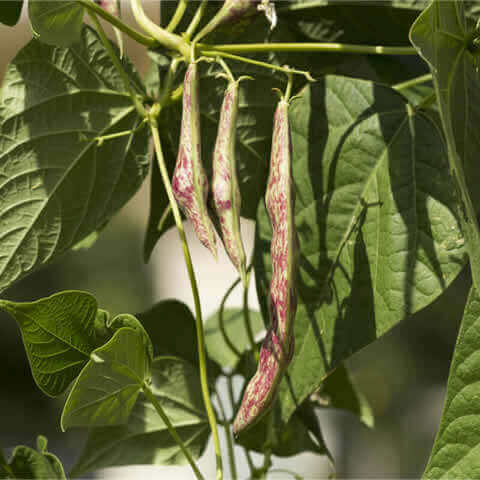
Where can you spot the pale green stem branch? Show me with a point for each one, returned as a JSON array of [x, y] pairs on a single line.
[[117, 64], [413, 82], [221, 319], [167, 39], [310, 47], [246, 315], [116, 22], [196, 19], [172, 431], [177, 16], [196, 297], [228, 434]]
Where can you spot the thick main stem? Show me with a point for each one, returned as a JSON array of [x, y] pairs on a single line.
[[310, 47], [196, 298], [172, 431]]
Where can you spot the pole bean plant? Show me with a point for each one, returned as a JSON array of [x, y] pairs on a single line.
[[349, 132]]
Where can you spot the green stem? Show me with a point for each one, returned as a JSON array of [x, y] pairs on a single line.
[[310, 47], [228, 434], [196, 297], [214, 53], [246, 316], [426, 102], [116, 22], [124, 133], [413, 82], [116, 62], [177, 16], [167, 39], [221, 319], [196, 19], [172, 431]]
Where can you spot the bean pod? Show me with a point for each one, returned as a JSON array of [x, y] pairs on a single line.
[[226, 192], [189, 182], [278, 346], [230, 12]]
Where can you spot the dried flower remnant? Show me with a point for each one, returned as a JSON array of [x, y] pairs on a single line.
[[189, 182], [278, 346], [226, 192]]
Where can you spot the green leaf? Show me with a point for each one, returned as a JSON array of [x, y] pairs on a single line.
[[10, 11], [218, 350], [41, 464], [301, 434], [107, 388], [145, 438], [374, 214], [57, 185], [455, 452], [442, 37], [58, 333], [127, 320], [338, 391], [56, 23], [171, 327]]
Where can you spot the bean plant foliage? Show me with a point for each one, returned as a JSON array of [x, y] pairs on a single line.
[[361, 178]]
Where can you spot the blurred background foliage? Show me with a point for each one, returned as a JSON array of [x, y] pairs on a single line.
[[403, 375]]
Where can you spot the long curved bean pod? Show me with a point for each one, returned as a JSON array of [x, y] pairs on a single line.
[[189, 182], [226, 192], [278, 346]]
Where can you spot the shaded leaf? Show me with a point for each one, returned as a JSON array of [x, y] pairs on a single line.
[[56, 22], [374, 213], [218, 350], [57, 186], [338, 391], [455, 452], [107, 388], [10, 11], [443, 38], [145, 438], [58, 333]]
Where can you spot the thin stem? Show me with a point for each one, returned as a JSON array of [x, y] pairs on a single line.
[[214, 53], [116, 22], [196, 19], [177, 16], [228, 434], [311, 47], [246, 316], [124, 133], [426, 102], [196, 297], [117, 64], [167, 39], [221, 319], [172, 431], [412, 82], [227, 70]]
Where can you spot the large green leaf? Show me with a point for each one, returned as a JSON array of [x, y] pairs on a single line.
[[456, 452], [57, 22], [59, 334], [57, 185], [36, 464], [10, 11], [443, 38], [218, 350], [145, 439], [107, 388], [374, 213]]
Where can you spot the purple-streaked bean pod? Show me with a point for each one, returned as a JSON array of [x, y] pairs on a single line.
[[231, 11], [278, 346], [226, 192], [189, 182]]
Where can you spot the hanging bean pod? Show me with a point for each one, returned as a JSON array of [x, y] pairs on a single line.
[[226, 192], [278, 346], [189, 182]]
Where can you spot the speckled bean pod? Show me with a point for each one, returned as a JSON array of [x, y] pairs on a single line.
[[226, 192], [189, 182], [231, 11], [278, 346]]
